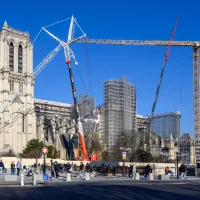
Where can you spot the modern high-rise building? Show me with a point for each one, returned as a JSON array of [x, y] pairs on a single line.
[[166, 124], [101, 127], [120, 112], [162, 124]]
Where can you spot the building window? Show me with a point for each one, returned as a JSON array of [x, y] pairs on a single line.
[[12, 86], [20, 58], [20, 87], [11, 57]]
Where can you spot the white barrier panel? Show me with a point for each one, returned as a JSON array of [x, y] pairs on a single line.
[[68, 177], [8, 177], [137, 176], [150, 177], [1, 171], [34, 179], [87, 176], [163, 177], [22, 179]]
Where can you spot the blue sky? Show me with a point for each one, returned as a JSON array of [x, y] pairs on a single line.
[[127, 19]]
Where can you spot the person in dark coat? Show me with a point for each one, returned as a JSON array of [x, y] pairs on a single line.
[[87, 167], [113, 170], [12, 167], [183, 171], [131, 172], [81, 167], [57, 168], [147, 170]]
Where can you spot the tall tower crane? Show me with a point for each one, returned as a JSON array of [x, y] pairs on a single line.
[[196, 66]]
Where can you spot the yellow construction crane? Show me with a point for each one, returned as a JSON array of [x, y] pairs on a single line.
[[196, 67]]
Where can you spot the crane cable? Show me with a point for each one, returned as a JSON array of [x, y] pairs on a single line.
[[81, 78], [88, 66]]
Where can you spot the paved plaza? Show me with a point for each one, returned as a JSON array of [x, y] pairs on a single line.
[[125, 191], [79, 178], [102, 187]]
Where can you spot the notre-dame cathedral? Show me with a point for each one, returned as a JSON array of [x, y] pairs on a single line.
[[22, 117]]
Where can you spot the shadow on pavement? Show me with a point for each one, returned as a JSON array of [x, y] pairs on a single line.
[[97, 192]]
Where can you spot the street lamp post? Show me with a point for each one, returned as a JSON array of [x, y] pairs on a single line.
[[44, 156], [123, 149], [123, 137], [177, 170]]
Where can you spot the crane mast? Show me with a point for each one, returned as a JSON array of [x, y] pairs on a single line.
[[79, 128]]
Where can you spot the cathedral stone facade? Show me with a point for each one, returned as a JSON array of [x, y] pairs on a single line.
[[17, 116], [23, 118]]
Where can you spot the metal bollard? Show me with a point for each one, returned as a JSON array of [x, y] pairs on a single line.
[[137, 176], [87, 176], [1, 171], [150, 177], [195, 171], [34, 179], [68, 177], [22, 179]]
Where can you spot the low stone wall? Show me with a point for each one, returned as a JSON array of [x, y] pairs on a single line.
[[25, 161]]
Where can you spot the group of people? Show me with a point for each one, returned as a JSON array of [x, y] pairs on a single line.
[[56, 168], [13, 167], [182, 171], [107, 170]]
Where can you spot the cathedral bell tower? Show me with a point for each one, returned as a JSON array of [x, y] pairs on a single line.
[[17, 115]]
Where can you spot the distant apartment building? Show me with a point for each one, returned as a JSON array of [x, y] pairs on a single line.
[[120, 112], [141, 123], [184, 147], [101, 125], [86, 105]]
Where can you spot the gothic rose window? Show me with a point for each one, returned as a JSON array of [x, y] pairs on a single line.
[[20, 59], [11, 57]]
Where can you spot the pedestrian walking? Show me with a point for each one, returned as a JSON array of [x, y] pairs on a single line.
[[18, 166], [183, 171], [113, 170], [57, 168], [147, 170], [12, 168], [81, 167], [53, 170], [1, 167], [130, 174]]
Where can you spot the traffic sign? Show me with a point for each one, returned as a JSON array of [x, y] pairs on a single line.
[[124, 155], [46, 177], [45, 150]]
